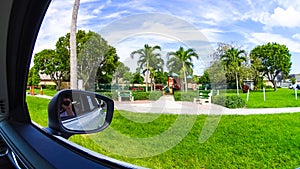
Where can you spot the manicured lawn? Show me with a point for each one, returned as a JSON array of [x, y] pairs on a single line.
[[283, 97], [258, 141], [254, 141], [38, 109]]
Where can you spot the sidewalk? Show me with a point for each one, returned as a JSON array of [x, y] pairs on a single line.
[[167, 105]]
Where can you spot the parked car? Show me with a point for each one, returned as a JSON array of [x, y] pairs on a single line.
[[294, 86]]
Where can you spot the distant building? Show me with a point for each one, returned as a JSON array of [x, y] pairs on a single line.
[[296, 76], [45, 80]]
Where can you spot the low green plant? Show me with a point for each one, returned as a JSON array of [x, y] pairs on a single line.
[[155, 95], [140, 95], [112, 94], [234, 102], [185, 96], [219, 100]]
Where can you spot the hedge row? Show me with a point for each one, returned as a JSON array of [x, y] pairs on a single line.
[[185, 96], [154, 95]]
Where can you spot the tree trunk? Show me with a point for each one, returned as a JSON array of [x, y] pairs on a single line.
[[73, 53], [237, 84], [147, 80], [185, 82], [274, 84]]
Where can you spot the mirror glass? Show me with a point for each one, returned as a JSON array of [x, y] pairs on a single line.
[[79, 111]]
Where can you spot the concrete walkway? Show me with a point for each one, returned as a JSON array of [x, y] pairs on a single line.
[[167, 105]]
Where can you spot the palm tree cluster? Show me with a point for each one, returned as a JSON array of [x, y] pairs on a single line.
[[232, 60], [150, 61]]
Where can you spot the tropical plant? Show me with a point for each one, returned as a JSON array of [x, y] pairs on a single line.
[[181, 62], [148, 57], [232, 60]]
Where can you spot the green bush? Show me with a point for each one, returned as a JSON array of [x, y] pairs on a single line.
[[220, 100], [112, 95], [140, 95], [269, 87], [50, 87], [229, 101], [234, 102], [186, 96], [155, 95]]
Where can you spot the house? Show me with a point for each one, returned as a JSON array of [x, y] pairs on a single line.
[[45, 80], [296, 76]]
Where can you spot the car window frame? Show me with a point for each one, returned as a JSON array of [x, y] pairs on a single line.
[[32, 145]]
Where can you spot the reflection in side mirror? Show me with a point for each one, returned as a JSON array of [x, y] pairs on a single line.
[[88, 116], [77, 112]]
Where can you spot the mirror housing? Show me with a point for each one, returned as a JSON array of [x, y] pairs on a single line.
[[78, 112]]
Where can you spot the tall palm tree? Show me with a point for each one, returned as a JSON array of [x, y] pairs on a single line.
[[232, 59], [148, 58], [182, 62], [73, 54]]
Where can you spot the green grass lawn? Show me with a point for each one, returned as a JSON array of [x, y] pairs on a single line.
[[38, 109], [48, 92], [283, 97], [254, 141]]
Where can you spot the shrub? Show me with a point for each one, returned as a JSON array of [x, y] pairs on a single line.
[[155, 95], [234, 102], [220, 100], [140, 95], [112, 95], [269, 87], [229, 101], [186, 96]]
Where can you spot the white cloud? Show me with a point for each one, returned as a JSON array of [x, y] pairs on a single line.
[[212, 34], [97, 10], [115, 15], [284, 18], [296, 36], [262, 38], [289, 3]]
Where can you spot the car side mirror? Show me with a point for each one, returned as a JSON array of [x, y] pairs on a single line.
[[78, 112]]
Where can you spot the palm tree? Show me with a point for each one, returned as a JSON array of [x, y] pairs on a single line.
[[148, 58], [182, 62], [232, 59], [73, 54]]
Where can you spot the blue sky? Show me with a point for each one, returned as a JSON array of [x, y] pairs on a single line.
[[199, 24]]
